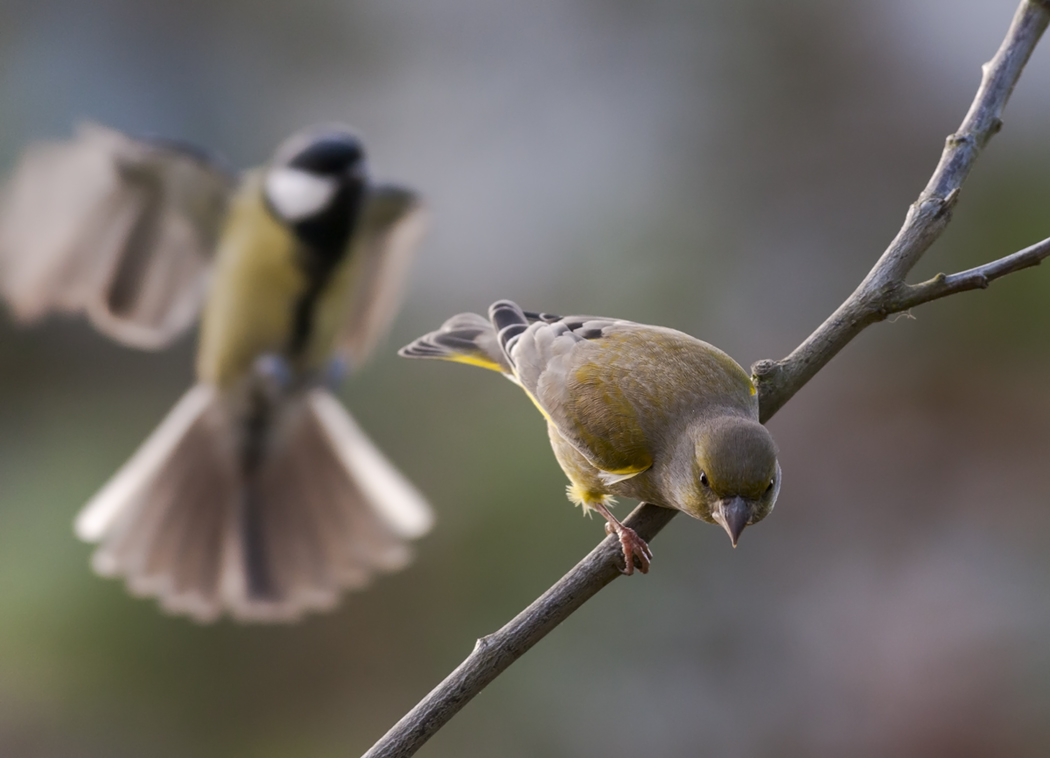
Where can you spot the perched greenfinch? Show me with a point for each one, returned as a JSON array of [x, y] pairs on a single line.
[[258, 495], [632, 410]]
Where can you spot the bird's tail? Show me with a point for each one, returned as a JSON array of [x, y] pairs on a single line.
[[216, 513], [473, 339]]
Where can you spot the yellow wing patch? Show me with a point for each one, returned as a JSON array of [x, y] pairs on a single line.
[[612, 477]]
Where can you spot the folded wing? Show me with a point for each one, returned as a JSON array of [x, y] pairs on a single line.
[[586, 385]]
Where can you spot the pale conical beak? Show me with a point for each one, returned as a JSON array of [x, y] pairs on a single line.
[[735, 513]]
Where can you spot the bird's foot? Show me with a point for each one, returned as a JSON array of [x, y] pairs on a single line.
[[274, 374], [636, 551]]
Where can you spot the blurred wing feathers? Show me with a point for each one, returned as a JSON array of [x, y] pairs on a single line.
[[119, 228], [389, 230]]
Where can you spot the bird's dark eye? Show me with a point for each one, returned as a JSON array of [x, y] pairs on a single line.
[[770, 487], [703, 479]]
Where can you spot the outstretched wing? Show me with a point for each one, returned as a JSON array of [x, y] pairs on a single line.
[[122, 229], [387, 235]]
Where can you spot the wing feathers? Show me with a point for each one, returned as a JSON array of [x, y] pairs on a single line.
[[122, 229], [389, 231]]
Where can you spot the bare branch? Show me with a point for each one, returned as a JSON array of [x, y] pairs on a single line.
[[972, 279], [884, 288], [882, 293], [494, 653]]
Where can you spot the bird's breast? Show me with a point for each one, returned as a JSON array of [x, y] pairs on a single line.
[[260, 288]]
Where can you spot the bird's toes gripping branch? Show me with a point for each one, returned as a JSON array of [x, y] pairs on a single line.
[[636, 551]]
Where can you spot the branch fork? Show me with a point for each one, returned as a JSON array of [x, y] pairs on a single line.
[[882, 293]]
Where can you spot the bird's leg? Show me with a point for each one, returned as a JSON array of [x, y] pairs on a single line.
[[275, 374], [634, 547]]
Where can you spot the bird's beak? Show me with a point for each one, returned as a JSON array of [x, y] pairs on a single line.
[[734, 513]]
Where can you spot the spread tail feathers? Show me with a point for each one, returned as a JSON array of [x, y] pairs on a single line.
[[187, 521], [473, 339]]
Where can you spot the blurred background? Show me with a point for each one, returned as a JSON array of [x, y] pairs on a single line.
[[728, 169]]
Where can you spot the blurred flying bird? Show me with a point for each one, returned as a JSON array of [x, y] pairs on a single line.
[[258, 495], [639, 411]]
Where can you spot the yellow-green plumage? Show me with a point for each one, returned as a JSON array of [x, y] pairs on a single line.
[[256, 283], [615, 398], [634, 410]]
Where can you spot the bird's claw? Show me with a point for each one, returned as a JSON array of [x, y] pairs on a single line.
[[635, 549], [275, 372]]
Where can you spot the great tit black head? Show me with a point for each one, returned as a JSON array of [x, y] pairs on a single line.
[[326, 150], [334, 153], [315, 185]]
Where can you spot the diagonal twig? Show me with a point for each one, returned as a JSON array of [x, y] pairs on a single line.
[[882, 293], [976, 278], [494, 653], [884, 290]]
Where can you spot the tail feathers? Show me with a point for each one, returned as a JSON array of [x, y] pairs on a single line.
[[323, 512], [464, 338]]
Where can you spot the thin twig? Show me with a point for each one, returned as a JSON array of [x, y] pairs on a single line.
[[884, 286], [882, 293], [494, 653], [972, 279]]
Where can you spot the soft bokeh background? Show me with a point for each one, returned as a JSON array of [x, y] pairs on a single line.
[[729, 169]]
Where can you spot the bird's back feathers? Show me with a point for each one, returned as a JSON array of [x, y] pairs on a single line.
[[599, 381]]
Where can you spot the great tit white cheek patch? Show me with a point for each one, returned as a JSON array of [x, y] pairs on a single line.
[[296, 195]]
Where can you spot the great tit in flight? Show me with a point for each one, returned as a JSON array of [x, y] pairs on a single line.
[[257, 495]]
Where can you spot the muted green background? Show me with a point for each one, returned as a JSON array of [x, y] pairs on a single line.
[[729, 169]]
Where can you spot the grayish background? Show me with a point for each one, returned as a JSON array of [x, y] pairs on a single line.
[[728, 169]]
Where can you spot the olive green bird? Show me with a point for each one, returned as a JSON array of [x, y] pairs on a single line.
[[632, 410], [258, 495]]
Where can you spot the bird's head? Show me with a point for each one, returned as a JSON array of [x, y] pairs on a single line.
[[315, 180], [735, 476]]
